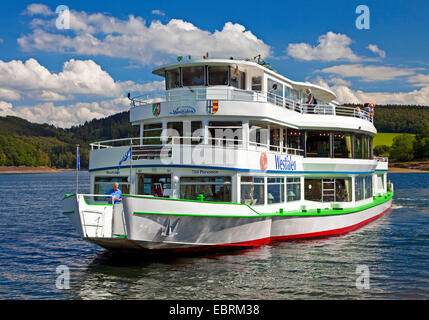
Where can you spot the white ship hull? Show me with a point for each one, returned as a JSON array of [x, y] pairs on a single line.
[[161, 224]]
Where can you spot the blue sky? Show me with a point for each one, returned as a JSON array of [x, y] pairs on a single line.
[[69, 76]]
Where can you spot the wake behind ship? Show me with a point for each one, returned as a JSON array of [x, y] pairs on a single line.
[[237, 155]]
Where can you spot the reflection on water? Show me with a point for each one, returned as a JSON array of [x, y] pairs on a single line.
[[38, 239]]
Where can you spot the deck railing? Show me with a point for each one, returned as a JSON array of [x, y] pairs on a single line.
[[189, 94], [145, 148]]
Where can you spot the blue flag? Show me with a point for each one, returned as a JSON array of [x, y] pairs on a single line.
[[78, 160], [124, 158]]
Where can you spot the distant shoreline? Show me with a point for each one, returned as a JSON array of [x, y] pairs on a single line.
[[26, 169], [409, 167]]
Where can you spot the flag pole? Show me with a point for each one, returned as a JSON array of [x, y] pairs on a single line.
[[131, 162], [77, 168]]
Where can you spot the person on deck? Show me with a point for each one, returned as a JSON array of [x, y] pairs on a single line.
[[311, 102], [115, 193]]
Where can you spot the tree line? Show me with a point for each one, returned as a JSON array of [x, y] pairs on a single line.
[[407, 147]]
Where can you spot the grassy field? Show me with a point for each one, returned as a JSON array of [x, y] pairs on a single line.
[[386, 138]]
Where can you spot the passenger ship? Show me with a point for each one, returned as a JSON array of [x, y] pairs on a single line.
[[232, 156]]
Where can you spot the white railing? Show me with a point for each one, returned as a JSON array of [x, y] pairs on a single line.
[[141, 150], [188, 94]]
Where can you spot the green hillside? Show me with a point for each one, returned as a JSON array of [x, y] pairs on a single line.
[[386, 139]]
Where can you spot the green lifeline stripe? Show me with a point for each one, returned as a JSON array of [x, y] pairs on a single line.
[[310, 213], [187, 200]]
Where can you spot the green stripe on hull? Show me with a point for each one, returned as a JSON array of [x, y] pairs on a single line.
[[312, 212]]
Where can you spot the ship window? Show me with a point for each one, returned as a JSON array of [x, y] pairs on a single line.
[[172, 79], [216, 189], [343, 190], [237, 78], [252, 190], [225, 133], [294, 139], [275, 139], [343, 145], [328, 189], [102, 185], [293, 189], [313, 189], [258, 134], [257, 83], [318, 144], [359, 188], [218, 76], [275, 190], [358, 146], [193, 76], [187, 132], [275, 92], [152, 133], [368, 187], [366, 152]]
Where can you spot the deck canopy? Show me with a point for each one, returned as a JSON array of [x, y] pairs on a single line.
[[242, 74]]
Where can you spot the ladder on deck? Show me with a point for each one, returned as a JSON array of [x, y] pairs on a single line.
[[328, 190]]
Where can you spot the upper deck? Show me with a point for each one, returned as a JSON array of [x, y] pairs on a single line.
[[244, 89]]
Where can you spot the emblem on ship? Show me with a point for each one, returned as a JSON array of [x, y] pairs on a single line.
[[212, 106], [156, 109]]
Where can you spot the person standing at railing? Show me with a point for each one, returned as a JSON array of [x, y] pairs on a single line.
[[311, 102], [367, 110], [115, 193], [372, 111]]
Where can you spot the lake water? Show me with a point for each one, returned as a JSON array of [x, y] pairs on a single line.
[[36, 238]]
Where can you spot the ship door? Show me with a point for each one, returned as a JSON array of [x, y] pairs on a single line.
[[158, 185]]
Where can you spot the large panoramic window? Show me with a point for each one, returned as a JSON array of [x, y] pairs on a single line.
[[318, 144], [216, 189], [275, 190], [343, 147], [193, 76], [172, 78], [252, 190], [218, 76], [293, 189], [328, 189], [102, 185]]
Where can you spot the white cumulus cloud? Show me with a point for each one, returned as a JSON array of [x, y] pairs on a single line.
[[368, 72], [374, 48], [38, 9], [331, 47], [133, 38], [158, 12]]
